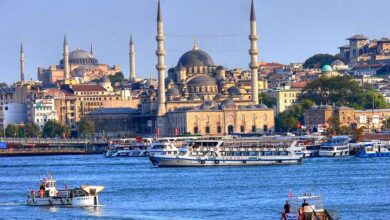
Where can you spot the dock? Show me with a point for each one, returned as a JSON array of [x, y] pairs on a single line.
[[50, 146]]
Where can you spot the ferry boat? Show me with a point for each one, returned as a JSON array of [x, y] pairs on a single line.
[[48, 195], [169, 145], [335, 146], [310, 145], [307, 207], [231, 152], [129, 147], [372, 149]]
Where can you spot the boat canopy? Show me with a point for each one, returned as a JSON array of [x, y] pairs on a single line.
[[92, 190]]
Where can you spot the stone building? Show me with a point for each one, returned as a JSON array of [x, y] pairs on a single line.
[[197, 80], [222, 119], [318, 117], [284, 98], [78, 64]]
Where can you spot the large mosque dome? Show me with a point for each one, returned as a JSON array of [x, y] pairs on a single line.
[[195, 57], [79, 56]]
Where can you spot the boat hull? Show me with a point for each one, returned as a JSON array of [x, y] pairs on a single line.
[[75, 201], [186, 162], [333, 153], [366, 155]]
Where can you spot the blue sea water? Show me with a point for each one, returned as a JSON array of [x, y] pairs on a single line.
[[134, 189]]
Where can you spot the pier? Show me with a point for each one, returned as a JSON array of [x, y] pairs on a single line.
[[48, 146]]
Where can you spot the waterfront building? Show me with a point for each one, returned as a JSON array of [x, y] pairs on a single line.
[[197, 80], [318, 117], [43, 110], [14, 113], [77, 64]]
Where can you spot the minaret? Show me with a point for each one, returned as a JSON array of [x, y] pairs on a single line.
[[132, 59], [253, 52], [91, 51], [66, 59], [160, 52], [21, 62]]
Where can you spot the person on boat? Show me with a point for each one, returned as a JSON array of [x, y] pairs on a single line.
[[287, 207], [304, 203]]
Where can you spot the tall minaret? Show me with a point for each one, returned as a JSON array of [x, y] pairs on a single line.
[[66, 59], [253, 65], [21, 62], [91, 50], [160, 52], [132, 59]]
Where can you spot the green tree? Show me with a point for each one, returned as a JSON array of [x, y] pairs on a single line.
[[342, 91], [319, 60], [32, 130], [86, 127], [118, 77], [290, 118], [54, 129], [267, 100], [12, 131]]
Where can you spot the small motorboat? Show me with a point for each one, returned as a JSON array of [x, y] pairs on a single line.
[[49, 195], [307, 207]]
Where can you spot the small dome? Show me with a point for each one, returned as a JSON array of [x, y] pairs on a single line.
[[195, 57], [105, 79], [338, 63], [193, 96], [261, 106], [173, 91], [326, 68], [228, 103], [219, 96], [251, 107], [202, 80], [234, 90]]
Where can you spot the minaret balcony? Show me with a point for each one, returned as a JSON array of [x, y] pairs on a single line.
[[160, 52], [160, 38], [253, 51], [253, 37]]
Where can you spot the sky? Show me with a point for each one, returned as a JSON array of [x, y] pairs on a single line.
[[289, 30]]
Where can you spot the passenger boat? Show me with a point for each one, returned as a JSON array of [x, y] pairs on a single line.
[[372, 149], [307, 207], [129, 147], [48, 195], [168, 145], [231, 152], [310, 145], [335, 146]]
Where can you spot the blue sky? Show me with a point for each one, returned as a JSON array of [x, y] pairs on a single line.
[[289, 30]]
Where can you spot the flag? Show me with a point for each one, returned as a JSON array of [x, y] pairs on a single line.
[[290, 195], [299, 125]]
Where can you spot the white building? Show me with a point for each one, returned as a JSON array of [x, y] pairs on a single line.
[[14, 113], [43, 110]]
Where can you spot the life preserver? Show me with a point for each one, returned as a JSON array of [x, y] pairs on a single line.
[[216, 162], [202, 162]]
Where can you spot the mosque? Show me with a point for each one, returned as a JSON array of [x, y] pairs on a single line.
[[79, 65], [200, 97]]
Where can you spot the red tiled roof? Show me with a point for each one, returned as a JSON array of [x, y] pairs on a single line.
[[88, 88], [300, 84]]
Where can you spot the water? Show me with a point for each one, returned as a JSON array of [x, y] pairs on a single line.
[[357, 188]]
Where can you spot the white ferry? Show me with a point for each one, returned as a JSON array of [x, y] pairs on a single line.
[[129, 147], [48, 195], [310, 145], [231, 152], [169, 145], [335, 146]]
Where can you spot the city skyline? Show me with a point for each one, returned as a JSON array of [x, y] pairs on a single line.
[[227, 44]]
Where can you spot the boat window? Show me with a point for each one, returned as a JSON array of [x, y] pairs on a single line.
[[237, 153], [253, 154], [261, 153], [283, 153], [267, 153], [229, 153], [223, 153], [245, 153]]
